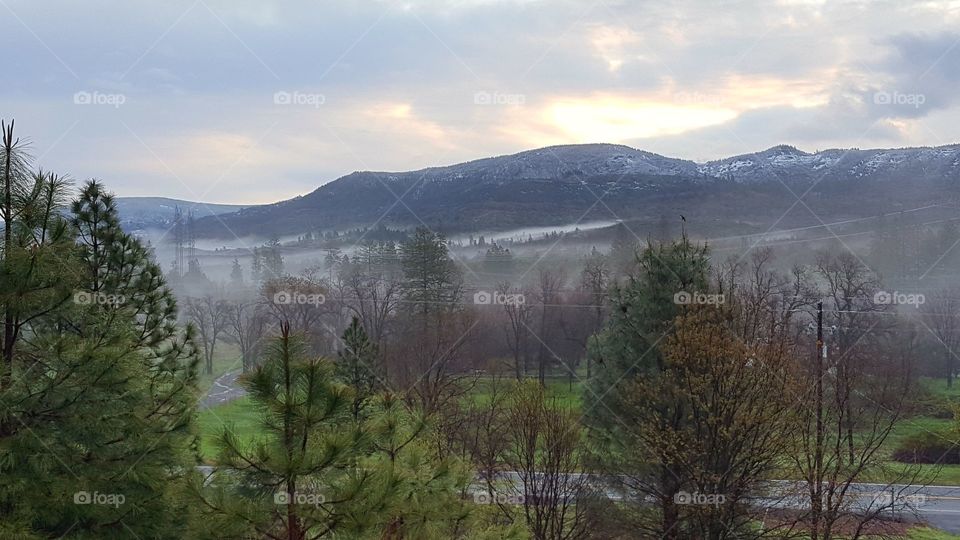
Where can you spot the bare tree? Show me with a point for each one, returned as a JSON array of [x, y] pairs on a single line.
[[595, 279], [516, 326], [211, 317], [303, 303], [549, 284], [373, 296], [248, 325], [854, 391], [543, 440], [941, 317], [429, 364]]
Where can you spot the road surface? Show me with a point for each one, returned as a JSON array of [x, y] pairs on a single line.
[[225, 389]]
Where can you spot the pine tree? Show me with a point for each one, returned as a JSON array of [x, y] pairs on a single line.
[[431, 280], [318, 473], [236, 275], [358, 366], [641, 313], [96, 423]]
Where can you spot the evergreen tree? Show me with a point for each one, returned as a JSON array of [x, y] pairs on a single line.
[[641, 313], [96, 422], [358, 366], [236, 275], [319, 474], [272, 260], [432, 282], [256, 266]]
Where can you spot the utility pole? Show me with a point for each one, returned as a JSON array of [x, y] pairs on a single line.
[[817, 488], [820, 351]]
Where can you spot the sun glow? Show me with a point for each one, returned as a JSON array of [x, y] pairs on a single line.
[[617, 120]]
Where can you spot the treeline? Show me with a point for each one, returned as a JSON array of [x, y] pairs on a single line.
[[702, 381]]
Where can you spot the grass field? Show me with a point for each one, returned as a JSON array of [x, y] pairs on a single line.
[[242, 418], [926, 533], [226, 357], [238, 416]]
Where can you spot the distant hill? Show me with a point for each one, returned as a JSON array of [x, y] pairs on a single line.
[[158, 212], [564, 184]]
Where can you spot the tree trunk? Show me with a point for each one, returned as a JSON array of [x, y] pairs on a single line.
[[8, 329]]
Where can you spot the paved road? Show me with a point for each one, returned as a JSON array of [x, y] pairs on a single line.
[[938, 506], [225, 389]]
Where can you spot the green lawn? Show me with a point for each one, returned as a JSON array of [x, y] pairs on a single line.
[[243, 418], [559, 388], [926, 533], [226, 357], [939, 388], [937, 395], [239, 416]]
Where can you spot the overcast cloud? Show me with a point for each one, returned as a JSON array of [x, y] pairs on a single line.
[[186, 98]]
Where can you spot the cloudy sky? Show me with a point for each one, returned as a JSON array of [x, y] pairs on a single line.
[[254, 101]]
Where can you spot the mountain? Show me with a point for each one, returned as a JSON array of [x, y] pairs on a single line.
[[788, 163], [578, 183], [158, 212]]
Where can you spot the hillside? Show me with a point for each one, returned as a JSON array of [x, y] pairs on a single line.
[[564, 184]]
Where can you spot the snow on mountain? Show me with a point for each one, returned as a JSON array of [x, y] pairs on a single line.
[[555, 162], [545, 185], [788, 163]]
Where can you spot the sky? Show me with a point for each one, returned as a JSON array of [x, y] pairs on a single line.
[[238, 101]]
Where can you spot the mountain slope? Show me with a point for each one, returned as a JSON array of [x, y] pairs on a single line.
[[563, 184], [149, 212]]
